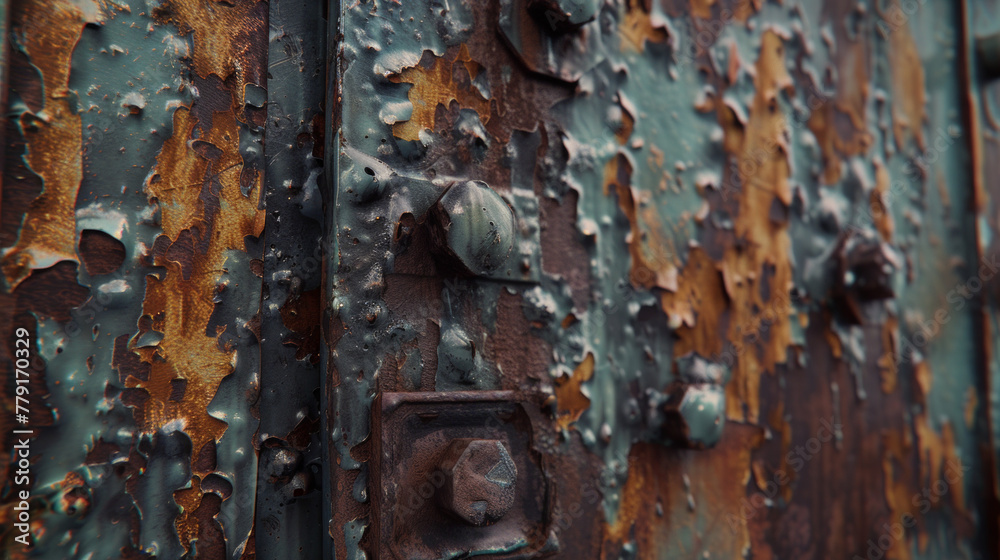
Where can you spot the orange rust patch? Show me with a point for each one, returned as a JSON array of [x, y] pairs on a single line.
[[638, 27], [628, 124], [204, 216], [934, 449], [697, 305], [181, 302], [853, 86], [910, 98], [850, 102], [188, 499], [717, 482], [763, 315], [940, 480], [898, 494], [53, 139], [221, 43], [570, 399], [820, 123], [780, 424], [702, 8], [887, 361], [650, 248], [922, 374], [971, 403], [434, 84], [879, 203]]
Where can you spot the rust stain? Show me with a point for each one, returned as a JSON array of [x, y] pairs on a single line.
[[434, 84], [910, 98], [651, 250], [922, 374], [839, 123], [887, 361], [301, 315], [820, 123], [971, 403], [937, 452], [625, 131], [879, 203], [836, 348], [188, 499], [702, 8], [638, 27], [779, 422], [48, 233], [765, 253], [569, 394], [853, 86], [940, 471], [223, 33], [735, 10], [205, 215], [898, 494], [716, 480], [697, 305]]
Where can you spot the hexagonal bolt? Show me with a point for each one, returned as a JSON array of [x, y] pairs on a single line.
[[480, 480], [865, 267], [457, 354], [475, 227], [563, 16], [281, 463], [694, 415]]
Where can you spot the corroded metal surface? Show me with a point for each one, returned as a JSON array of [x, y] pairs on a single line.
[[133, 221], [515, 278], [780, 189]]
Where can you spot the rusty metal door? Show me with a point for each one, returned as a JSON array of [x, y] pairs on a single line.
[[421, 279]]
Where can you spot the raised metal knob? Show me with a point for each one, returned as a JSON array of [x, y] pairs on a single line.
[[475, 227], [694, 407], [694, 415], [480, 479]]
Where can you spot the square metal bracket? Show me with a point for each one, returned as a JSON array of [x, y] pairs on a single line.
[[414, 433]]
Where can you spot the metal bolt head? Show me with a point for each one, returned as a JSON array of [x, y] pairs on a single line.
[[866, 270], [480, 480], [475, 227], [457, 355], [281, 462], [694, 415], [866, 267]]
